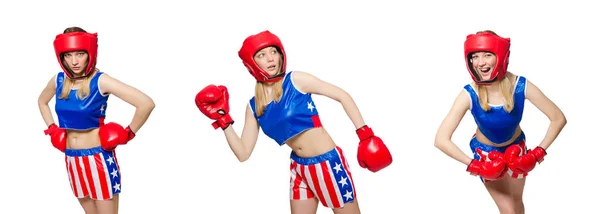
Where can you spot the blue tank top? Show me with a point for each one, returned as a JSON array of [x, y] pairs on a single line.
[[496, 124], [76, 114], [292, 115]]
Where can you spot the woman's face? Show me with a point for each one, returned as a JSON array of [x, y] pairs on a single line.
[[483, 64], [76, 61], [269, 60]]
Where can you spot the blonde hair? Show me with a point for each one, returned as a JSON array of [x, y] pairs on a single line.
[[84, 90], [260, 97], [506, 88]]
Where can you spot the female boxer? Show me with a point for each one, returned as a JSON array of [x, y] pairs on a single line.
[[496, 99], [283, 108], [81, 93]]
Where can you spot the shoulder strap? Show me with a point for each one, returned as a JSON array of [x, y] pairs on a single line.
[[252, 104], [472, 95], [520, 89]]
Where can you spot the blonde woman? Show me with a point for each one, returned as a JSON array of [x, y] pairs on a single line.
[[81, 93], [284, 109], [496, 99]]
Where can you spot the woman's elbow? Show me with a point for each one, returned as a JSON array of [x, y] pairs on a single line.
[[243, 158], [44, 99], [151, 105], [562, 120], [440, 142], [43, 102], [148, 105], [437, 143], [345, 97], [559, 119]]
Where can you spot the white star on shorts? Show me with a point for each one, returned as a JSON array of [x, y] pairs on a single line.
[[338, 167], [348, 195]]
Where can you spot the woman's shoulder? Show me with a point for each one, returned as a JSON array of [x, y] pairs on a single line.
[[514, 77], [300, 77], [102, 76], [470, 86], [100, 73]]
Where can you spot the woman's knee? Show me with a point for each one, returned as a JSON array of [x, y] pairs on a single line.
[[518, 201], [510, 206], [508, 210]]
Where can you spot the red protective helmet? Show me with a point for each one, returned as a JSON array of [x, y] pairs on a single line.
[[77, 41], [253, 44], [487, 41]]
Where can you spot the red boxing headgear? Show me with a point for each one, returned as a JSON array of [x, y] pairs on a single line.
[[253, 44], [489, 42], [77, 41]]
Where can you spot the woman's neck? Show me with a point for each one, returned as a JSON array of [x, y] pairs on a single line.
[[268, 84], [268, 89], [495, 86]]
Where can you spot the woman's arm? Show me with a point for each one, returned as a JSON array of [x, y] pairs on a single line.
[[544, 104], [308, 83], [142, 102], [44, 98], [443, 137], [243, 147]]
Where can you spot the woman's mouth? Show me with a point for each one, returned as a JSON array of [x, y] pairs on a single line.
[[271, 67], [485, 71]]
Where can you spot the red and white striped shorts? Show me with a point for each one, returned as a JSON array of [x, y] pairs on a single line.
[[326, 176], [93, 172]]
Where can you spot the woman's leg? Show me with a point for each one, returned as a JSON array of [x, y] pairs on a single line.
[[308, 206], [89, 207], [110, 206], [117, 203], [348, 208], [508, 194], [517, 188]]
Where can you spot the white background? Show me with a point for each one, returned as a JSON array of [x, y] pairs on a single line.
[[179, 164]]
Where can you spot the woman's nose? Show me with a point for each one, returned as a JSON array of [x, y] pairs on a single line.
[[270, 57], [481, 63]]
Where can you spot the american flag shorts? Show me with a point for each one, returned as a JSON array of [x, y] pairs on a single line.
[[326, 176], [93, 173], [478, 147]]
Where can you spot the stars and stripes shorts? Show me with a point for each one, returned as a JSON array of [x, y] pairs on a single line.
[[93, 173], [326, 176], [479, 148]]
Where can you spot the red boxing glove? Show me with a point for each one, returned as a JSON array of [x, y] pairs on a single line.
[[113, 134], [58, 137], [539, 153], [489, 170], [213, 101], [372, 152], [523, 163]]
